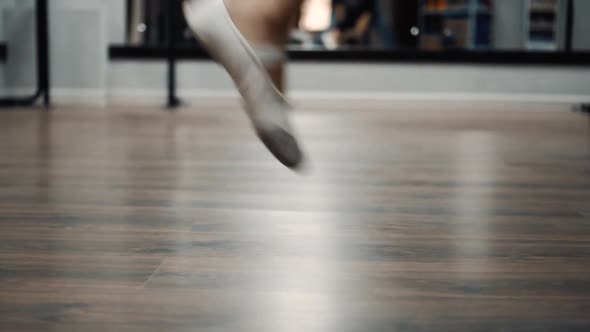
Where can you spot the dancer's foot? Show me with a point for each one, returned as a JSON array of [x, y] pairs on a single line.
[[265, 105]]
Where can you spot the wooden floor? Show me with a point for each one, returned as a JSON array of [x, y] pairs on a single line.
[[409, 218]]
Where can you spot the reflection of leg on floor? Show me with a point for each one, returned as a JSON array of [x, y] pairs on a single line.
[[228, 30]]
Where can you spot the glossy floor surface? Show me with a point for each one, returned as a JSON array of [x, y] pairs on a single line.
[[409, 218]]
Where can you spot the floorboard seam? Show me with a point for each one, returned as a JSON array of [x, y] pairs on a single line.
[[154, 273]]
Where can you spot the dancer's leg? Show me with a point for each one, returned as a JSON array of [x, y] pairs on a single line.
[[266, 25], [244, 54]]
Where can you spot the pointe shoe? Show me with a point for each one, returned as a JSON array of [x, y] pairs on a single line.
[[264, 104]]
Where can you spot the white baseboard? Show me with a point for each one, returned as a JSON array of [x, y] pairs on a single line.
[[159, 97], [155, 97], [64, 97], [87, 97], [305, 98], [442, 96]]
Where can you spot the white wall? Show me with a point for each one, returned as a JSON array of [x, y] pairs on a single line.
[[116, 16], [3, 4], [81, 31], [79, 41], [582, 27], [360, 81], [508, 24]]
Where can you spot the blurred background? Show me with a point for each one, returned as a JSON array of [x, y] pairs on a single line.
[[116, 50], [429, 25]]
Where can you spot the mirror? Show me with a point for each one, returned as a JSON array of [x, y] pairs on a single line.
[[414, 25]]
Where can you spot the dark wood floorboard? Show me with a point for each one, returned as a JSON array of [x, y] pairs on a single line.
[[422, 217]]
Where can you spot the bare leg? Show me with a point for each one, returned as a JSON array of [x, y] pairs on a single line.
[[267, 23]]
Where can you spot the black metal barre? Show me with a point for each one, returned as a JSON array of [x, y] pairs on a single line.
[[173, 100], [43, 87]]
